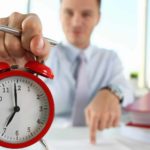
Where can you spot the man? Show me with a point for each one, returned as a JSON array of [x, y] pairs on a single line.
[[105, 84]]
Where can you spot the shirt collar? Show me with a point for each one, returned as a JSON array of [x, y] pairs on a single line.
[[73, 52]]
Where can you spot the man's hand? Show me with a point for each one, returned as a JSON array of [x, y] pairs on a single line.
[[103, 112], [14, 50]]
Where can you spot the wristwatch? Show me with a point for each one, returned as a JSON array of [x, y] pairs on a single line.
[[116, 91]]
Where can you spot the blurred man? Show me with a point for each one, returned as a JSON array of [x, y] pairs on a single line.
[[93, 95]]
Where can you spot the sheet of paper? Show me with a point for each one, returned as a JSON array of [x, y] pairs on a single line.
[[81, 144], [103, 144]]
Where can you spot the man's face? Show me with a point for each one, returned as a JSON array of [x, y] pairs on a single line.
[[79, 18]]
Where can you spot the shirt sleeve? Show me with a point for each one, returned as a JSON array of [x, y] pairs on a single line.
[[118, 79]]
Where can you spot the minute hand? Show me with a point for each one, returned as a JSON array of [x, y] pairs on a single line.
[[15, 94]]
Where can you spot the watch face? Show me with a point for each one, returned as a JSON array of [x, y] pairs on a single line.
[[25, 110]]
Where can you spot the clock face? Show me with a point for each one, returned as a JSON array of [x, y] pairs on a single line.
[[24, 109]]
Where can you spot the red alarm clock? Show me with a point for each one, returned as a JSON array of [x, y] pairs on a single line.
[[26, 104]]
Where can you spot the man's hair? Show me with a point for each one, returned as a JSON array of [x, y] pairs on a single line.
[[98, 1]]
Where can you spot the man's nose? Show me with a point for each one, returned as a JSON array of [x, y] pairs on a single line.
[[77, 20]]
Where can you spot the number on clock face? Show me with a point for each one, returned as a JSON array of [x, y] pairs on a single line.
[[32, 109]]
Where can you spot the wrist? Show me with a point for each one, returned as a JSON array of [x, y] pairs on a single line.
[[115, 91]]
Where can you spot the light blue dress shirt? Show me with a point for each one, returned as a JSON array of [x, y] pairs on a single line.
[[104, 68]]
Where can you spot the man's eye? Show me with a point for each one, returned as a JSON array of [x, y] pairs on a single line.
[[69, 13], [86, 14]]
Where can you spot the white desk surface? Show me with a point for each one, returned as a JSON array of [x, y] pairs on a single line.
[[77, 139]]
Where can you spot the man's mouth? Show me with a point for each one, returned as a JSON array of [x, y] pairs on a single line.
[[77, 32]]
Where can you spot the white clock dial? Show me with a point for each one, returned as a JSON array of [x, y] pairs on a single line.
[[32, 109]]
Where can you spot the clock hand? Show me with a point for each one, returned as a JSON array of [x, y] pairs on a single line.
[[11, 117], [16, 109], [15, 94], [8, 122]]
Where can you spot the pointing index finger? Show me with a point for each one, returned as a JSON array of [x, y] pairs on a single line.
[[93, 129]]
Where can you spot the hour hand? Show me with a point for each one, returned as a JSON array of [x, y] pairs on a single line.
[[16, 109], [10, 119], [8, 122]]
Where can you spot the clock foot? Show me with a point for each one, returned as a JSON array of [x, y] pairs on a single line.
[[44, 144]]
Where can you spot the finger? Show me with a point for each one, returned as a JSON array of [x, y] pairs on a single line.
[[116, 120], [31, 27], [103, 122], [15, 20], [4, 55], [4, 21], [93, 129], [37, 51], [111, 120], [13, 43], [87, 116]]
